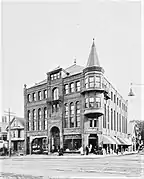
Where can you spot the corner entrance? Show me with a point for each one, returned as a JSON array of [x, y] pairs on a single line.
[[54, 139]]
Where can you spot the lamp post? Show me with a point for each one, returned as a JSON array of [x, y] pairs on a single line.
[[131, 94]]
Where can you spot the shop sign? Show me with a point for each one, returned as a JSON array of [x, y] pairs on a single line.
[[72, 137]]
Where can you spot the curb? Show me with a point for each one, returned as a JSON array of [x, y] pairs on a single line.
[[65, 156]]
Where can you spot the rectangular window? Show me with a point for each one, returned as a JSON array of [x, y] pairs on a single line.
[[52, 77], [77, 121], [111, 95], [55, 76], [19, 133], [117, 101], [91, 123], [104, 117], [66, 89], [120, 103], [120, 122], [111, 119], [66, 122], [95, 123], [78, 86], [91, 102], [98, 102], [86, 82], [71, 121], [72, 87], [117, 122], [91, 81], [114, 98], [86, 103], [97, 82]]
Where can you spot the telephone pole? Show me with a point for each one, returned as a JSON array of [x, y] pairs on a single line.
[[9, 114]]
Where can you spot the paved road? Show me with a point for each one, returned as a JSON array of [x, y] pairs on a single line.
[[60, 167]]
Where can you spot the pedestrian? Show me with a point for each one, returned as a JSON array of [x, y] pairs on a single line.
[[90, 148], [87, 150], [81, 151]]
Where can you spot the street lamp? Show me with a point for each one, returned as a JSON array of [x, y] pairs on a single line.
[[131, 91]]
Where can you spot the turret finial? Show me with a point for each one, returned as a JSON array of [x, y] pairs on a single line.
[[75, 61]]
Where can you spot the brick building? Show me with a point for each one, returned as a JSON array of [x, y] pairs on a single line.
[[74, 107]]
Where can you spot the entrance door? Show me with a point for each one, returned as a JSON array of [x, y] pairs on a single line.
[[15, 146], [55, 139], [93, 140]]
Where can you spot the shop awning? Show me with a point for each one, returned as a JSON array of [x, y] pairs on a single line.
[[116, 140], [128, 141], [122, 141], [108, 140]]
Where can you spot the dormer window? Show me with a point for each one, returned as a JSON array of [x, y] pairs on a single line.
[[55, 76]]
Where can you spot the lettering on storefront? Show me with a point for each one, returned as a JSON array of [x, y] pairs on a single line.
[[72, 137], [71, 131]]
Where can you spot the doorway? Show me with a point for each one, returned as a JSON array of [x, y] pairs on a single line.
[[93, 140], [55, 139]]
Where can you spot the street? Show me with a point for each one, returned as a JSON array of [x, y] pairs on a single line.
[[41, 167]]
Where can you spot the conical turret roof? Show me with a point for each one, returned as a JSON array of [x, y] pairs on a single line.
[[93, 57]]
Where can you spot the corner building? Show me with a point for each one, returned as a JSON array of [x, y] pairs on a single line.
[[74, 107]]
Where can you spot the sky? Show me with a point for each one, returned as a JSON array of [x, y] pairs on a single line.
[[38, 36]]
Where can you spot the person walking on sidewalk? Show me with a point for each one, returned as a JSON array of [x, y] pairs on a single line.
[[87, 150]]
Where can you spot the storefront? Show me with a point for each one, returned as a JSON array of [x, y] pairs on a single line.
[[72, 142]]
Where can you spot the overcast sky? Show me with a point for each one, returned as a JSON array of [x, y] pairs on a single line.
[[37, 37]]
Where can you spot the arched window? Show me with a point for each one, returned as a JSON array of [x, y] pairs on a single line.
[[29, 120], [55, 94], [77, 114], [71, 114], [29, 98], [66, 116], [34, 119], [45, 118], [34, 96], [39, 119], [39, 95], [45, 94]]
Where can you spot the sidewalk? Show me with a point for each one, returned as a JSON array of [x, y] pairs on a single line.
[[66, 156]]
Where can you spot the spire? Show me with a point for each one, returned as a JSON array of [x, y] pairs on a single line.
[[93, 57]]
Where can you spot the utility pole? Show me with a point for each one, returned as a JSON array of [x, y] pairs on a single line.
[[9, 127]]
